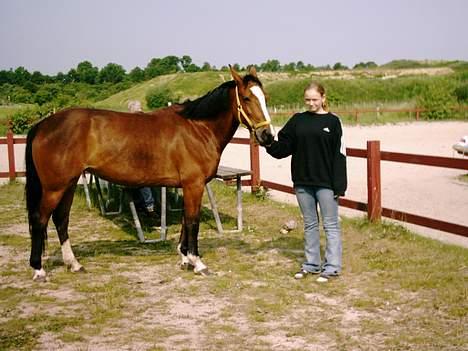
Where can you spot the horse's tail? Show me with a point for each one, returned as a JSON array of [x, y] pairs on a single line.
[[33, 190]]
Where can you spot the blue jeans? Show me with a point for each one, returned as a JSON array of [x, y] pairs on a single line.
[[147, 197], [308, 197]]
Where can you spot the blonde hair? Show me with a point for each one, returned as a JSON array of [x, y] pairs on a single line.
[[320, 89]]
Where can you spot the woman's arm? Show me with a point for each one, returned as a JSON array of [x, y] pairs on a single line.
[[286, 143]]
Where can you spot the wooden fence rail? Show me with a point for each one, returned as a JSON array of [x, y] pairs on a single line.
[[10, 141], [374, 157]]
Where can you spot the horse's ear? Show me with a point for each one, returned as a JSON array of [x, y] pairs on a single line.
[[253, 71], [236, 76]]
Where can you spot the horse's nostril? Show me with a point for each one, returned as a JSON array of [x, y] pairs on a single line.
[[266, 137]]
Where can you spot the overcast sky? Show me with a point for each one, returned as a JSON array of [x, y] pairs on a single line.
[[55, 35]]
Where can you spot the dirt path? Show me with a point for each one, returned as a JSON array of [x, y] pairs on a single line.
[[427, 191]]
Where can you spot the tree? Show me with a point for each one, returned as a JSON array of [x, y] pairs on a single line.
[[21, 76], [7, 77], [206, 67], [192, 68], [290, 67], [339, 66], [157, 66], [38, 78], [185, 62], [112, 73], [86, 73], [271, 66], [369, 64], [137, 75], [300, 66]]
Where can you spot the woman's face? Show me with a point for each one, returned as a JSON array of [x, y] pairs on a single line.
[[314, 100]]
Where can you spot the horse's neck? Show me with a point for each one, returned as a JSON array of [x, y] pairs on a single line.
[[224, 128]]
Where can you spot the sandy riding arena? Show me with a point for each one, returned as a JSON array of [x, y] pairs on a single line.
[[432, 192]]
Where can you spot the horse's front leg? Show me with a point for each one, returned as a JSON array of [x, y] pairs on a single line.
[[191, 223], [182, 249]]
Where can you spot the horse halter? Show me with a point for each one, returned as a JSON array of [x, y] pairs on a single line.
[[240, 110]]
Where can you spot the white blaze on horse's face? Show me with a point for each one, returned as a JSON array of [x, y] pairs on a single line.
[[257, 91]]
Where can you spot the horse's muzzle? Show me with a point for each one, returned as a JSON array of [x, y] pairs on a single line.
[[264, 136]]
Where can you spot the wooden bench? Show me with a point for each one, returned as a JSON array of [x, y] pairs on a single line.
[[224, 173]]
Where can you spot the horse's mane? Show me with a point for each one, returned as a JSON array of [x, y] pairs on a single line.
[[214, 102]]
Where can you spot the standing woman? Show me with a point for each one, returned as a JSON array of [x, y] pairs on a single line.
[[318, 167]]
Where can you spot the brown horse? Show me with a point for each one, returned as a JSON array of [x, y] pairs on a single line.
[[177, 146]]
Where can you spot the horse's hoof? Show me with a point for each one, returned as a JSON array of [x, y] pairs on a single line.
[[187, 266], [79, 270], [40, 275], [40, 278], [205, 272]]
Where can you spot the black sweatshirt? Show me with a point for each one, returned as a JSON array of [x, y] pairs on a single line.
[[315, 142]]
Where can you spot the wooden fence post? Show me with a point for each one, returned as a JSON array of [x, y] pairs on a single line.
[[11, 155], [417, 114], [254, 165], [374, 193]]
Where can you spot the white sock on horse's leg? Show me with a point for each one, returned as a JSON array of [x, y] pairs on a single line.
[[197, 263], [69, 258]]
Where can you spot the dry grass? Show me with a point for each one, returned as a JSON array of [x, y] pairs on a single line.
[[397, 292]]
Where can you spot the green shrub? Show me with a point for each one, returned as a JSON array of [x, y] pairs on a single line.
[[437, 99], [158, 97], [461, 93], [23, 119]]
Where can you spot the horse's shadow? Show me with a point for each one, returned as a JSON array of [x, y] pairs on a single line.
[[167, 248], [151, 225], [288, 246]]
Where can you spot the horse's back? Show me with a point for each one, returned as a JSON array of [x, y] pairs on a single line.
[[127, 148]]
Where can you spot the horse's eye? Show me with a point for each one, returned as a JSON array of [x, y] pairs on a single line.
[[246, 98]]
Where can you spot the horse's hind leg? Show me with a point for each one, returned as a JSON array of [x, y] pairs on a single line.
[[61, 216], [182, 249], [189, 241], [38, 223]]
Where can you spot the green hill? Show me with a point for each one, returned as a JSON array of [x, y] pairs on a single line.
[[346, 89], [182, 86]]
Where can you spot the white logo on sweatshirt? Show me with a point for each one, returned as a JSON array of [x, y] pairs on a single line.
[[326, 129]]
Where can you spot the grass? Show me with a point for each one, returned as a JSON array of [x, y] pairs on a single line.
[[463, 178], [398, 291]]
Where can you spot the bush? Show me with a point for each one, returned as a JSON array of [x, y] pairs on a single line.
[[462, 93], [22, 120], [437, 100], [158, 97]]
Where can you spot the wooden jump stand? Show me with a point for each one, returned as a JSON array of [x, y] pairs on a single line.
[[224, 173]]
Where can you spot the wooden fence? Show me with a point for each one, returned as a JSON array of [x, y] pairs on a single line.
[[373, 207], [10, 141], [374, 156]]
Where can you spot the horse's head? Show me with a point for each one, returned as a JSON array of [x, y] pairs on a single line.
[[251, 106]]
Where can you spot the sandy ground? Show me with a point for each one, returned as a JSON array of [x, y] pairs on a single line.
[[423, 190]]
